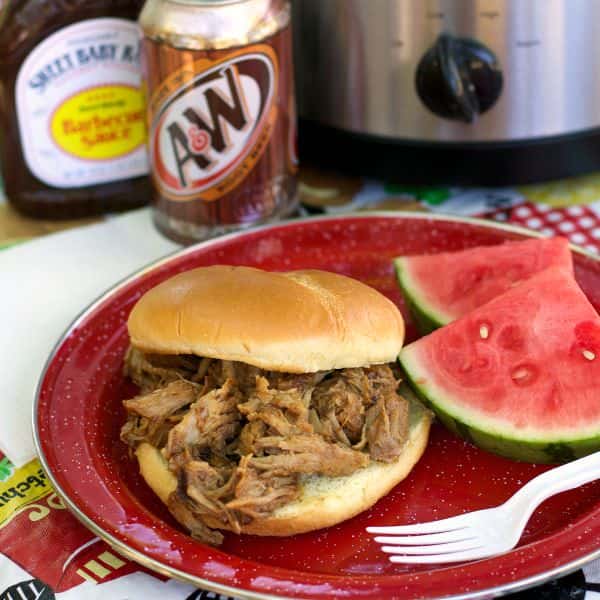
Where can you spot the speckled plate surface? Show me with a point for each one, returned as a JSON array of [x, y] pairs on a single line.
[[78, 415]]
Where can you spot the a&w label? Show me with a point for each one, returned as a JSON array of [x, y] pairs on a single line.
[[211, 122]]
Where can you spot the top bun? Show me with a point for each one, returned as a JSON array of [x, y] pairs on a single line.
[[297, 322]]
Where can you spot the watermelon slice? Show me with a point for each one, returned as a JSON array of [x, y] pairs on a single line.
[[440, 288], [520, 375]]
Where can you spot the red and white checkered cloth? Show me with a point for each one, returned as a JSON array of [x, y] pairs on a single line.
[[580, 224]]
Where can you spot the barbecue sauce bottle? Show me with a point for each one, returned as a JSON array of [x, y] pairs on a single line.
[[72, 114]]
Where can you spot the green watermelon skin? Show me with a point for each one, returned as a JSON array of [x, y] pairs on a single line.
[[550, 452], [545, 328], [440, 288], [425, 319]]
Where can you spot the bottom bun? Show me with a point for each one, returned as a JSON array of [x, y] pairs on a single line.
[[324, 501]]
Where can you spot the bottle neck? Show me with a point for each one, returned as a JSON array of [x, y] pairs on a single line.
[[204, 24]]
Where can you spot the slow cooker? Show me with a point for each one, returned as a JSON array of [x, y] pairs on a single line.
[[488, 92]]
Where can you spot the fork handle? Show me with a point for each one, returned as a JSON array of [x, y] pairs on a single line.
[[560, 479]]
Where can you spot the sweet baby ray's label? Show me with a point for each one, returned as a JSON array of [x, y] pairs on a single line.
[[117, 129], [80, 106]]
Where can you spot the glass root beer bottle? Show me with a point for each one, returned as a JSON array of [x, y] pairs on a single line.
[[221, 114], [72, 114]]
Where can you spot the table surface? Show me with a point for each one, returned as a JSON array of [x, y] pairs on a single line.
[[323, 190], [316, 187], [577, 201]]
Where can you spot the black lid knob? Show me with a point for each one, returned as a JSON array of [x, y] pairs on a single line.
[[458, 78]]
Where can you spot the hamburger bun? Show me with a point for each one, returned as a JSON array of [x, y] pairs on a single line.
[[324, 501], [293, 322], [316, 320]]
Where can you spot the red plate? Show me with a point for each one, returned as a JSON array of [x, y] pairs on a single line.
[[78, 416]]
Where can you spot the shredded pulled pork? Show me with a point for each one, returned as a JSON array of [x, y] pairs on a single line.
[[239, 439], [152, 415], [151, 371]]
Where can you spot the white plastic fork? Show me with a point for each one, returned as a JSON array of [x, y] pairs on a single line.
[[486, 532]]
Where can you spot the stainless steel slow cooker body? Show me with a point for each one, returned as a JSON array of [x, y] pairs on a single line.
[[473, 73]]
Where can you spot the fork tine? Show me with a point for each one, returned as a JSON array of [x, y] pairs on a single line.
[[471, 554], [451, 547], [449, 524], [455, 535]]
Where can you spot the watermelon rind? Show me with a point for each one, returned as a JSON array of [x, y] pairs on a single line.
[[417, 409], [425, 318], [510, 444], [433, 304]]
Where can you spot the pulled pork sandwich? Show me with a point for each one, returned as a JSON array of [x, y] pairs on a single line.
[[267, 403]]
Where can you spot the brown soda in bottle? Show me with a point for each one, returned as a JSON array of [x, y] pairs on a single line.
[[221, 114]]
